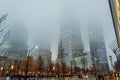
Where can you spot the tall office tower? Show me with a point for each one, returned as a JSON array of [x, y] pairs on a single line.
[[115, 12], [97, 47], [18, 41], [70, 44]]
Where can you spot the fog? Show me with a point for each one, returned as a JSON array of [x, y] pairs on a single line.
[[43, 19]]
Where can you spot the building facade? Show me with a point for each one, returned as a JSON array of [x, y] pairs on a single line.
[[115, 12], [46, 56], [43, 43], [97, 47], [70, 40], [18, 41]]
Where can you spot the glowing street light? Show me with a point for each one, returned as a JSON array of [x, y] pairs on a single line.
[[12, 67], [36, 47], [31, 50]]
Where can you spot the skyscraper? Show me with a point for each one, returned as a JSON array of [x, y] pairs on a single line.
[[46, 56], [43, 50], [97, 46], [70, 39], [18, 40]]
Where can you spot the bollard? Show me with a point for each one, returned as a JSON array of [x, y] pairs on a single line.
[[116, 75]]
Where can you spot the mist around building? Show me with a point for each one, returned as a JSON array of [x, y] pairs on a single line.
[[32, 52]]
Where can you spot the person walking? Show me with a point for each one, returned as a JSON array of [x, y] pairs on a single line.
[[8, 77]]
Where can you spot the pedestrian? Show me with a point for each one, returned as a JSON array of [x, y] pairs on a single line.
[[100, 77], [8, 77]]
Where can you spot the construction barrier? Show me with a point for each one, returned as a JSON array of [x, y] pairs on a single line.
[[114, 76]]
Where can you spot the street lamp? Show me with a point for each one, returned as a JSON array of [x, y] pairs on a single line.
[[27, 65]]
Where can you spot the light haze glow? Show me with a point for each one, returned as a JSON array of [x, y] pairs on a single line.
[[42, 17]]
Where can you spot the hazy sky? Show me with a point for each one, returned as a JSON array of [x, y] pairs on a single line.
[[43, 17]]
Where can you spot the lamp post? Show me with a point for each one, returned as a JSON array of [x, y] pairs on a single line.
[[27, 61]]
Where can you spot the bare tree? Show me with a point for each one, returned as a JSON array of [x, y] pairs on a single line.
[[51, 68], [57, 68], [3, 33], [40, 65], [29, 63]]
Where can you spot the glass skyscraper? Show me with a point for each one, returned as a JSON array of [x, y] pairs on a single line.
[[97, 47], [70, 39]]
